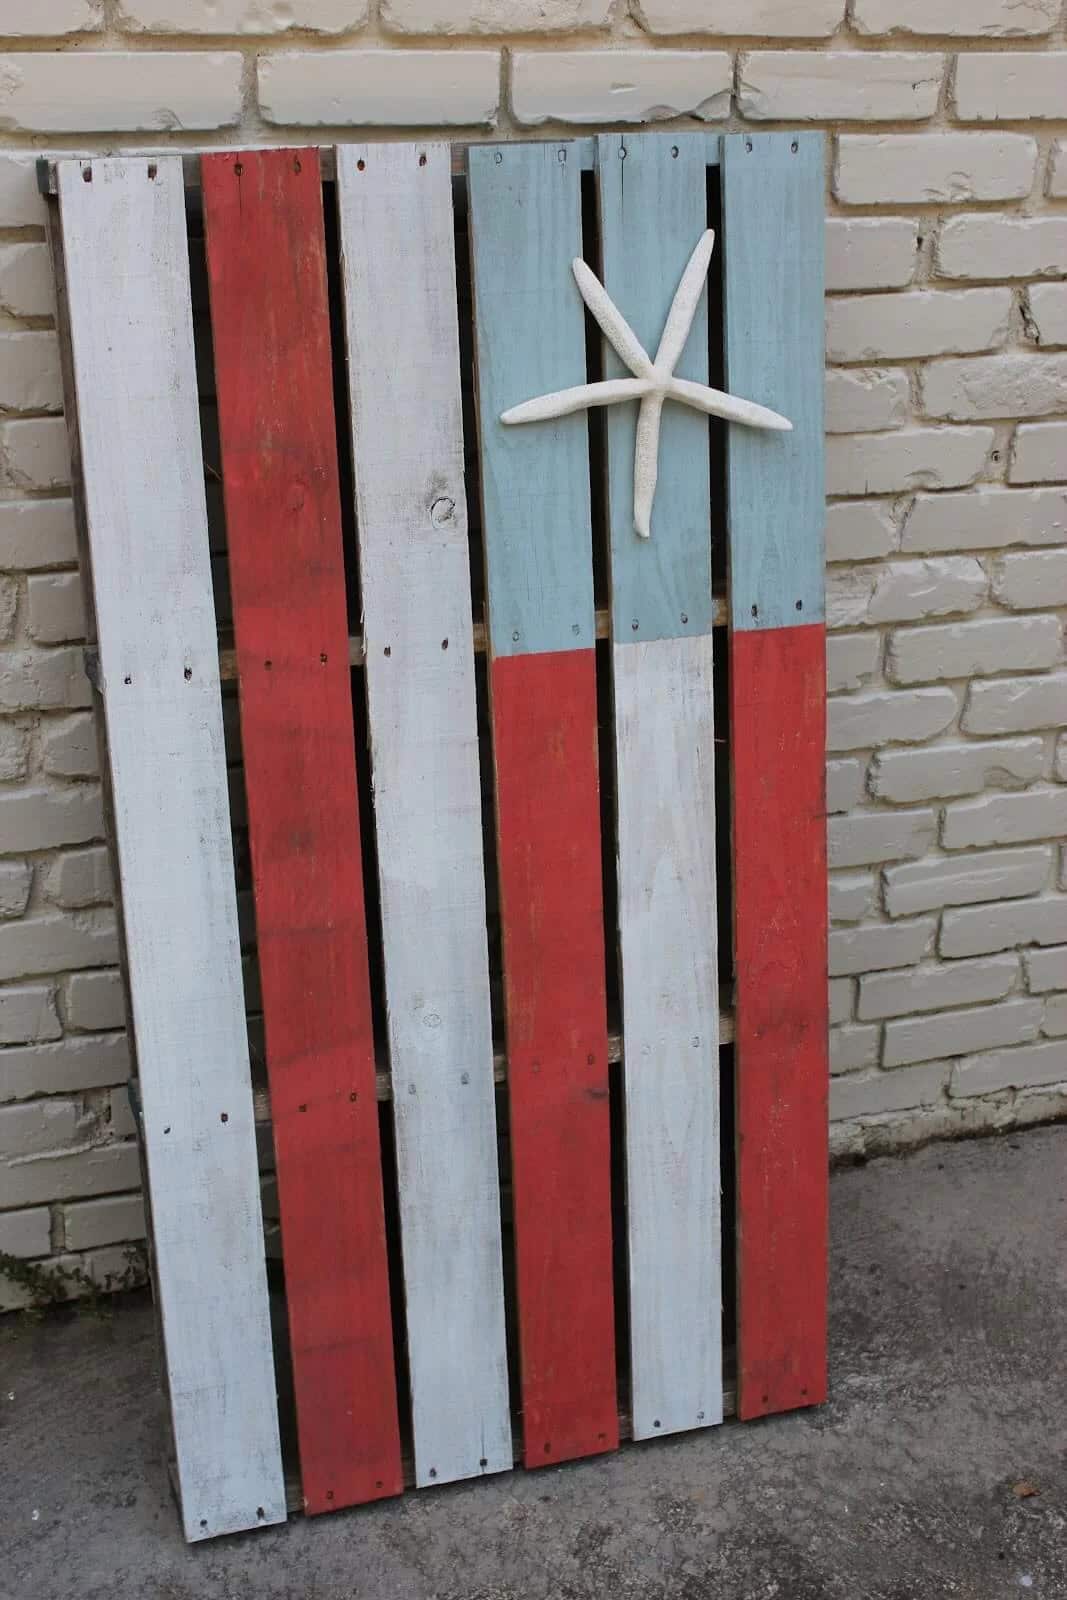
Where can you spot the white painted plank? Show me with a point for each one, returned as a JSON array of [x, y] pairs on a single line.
[[403, 364], [127, 274], [665, 772]]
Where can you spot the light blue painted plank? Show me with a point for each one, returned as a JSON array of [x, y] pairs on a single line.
[[772, 187], [525, 222], [653, 209]]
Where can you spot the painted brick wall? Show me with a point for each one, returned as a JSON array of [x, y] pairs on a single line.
[[946, 528]]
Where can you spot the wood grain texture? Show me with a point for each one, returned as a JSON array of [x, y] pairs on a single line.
[[126, 260], [652, 193], [407, 444], [777, 680], [525, 219], [772, 199], [270, 320], [548, 817], [665, 782]]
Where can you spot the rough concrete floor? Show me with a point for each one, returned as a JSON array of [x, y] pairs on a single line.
[[949, 1363]]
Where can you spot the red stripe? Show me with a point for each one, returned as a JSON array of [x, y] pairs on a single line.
[[778, 681], [548, 819], [266, 261]]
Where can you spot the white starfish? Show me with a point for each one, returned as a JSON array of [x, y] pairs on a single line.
[[653, 381]]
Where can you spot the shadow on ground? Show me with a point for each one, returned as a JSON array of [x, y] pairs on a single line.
[[949, 1402]]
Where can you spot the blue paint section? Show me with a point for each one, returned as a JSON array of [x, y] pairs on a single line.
[[772, 191], [525, 223], [652, 192]]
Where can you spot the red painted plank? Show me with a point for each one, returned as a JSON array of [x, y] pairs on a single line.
[[548, 822], [777, 689], [270, 322]]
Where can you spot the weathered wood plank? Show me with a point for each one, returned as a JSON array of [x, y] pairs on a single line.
[[403, 367], [267, 271], [124, 243], [525, 219]]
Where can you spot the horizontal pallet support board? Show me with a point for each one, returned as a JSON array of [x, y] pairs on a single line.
[[463, 695]]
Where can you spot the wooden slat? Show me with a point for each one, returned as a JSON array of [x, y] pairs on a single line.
[[407, 446], [270, 322], [525, 219], [772, 206], [126, 265], [653, 211]]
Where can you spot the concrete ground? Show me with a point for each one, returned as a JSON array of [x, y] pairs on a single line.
[[938, 1468]]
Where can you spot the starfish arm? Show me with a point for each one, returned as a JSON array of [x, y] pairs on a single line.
[[646, 462], [612, 323], [566, 401], [684, 305], [717, 404]]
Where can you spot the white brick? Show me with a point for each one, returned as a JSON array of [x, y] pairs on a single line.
[[42, 679], [22, 204], [870, 252], [851, 660], [851, 896], [69, 748], [95, 1061], [1031, 582], [975, 19], [848, 595], [870, 1094], [906, 591], [1057, 171], [860, 721], [1054, 1023], [891, 944], [1048, 314], [838, 85], [1022, 1068], [865, 400], [493, 16], [28, 1014], [94, 1000], [29, 372], [1010, 88], [769, 19], [1006, 819], [1046, 969], [958, 1033], [869, 837], [898, 168], [620, 85], [108, 1269], [17, 20], [95, 1222], [241, 16], [380, 88], [118, 91], [841, 999], [853, 1048], [55, 942], [954, 769], [1059, 765], [26, 1233], [16, 879], [859, 530], [56, 607], [966, 649], [977, 930], [9, 597], [14, 750], [911, 458], [1015, 385], [1016, 705], [106, 1170], [79, 878], [844, 784], [36, 533], [26, 286], [965, 880], [920, 322], [35, 454], [122, 1124], [41, 818], [933, 987], [986, 519], [36, 1126], [1039, 453], [1002, 247]]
